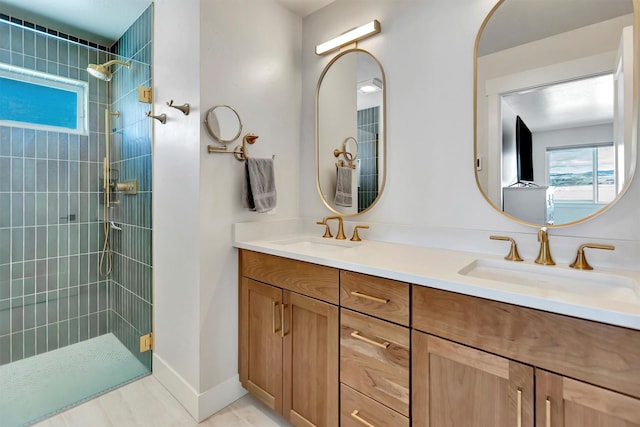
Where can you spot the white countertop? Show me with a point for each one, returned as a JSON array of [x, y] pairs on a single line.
[[440, 269]]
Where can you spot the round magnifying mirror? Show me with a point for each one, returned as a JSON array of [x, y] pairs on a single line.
[[556, 107], [350, 132], [223, 123]]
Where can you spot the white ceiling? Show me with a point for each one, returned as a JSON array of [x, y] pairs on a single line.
[[565, 105], [303, 8], [517, 22], [104, 21]]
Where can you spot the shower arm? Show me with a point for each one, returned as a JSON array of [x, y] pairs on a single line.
[[115, 61]]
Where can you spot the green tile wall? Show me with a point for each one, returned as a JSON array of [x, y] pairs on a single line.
[[51, 294], [368, 156], [130, 284]]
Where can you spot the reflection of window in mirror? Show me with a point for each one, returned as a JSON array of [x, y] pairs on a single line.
[[582, 179]]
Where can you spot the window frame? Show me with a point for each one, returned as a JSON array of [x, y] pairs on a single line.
[[80, 88]]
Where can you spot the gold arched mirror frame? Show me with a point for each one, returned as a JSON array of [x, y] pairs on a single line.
[[330, 149], [480, 155]]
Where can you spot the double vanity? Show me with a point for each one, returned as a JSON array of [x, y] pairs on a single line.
[[334, 332], [342, 332]]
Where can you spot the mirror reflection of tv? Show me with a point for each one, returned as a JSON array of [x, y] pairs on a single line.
[[524, 151]]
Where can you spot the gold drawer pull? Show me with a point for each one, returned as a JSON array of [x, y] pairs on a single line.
[[282, 332], [369, 297], [519, 423], [355, 415], [275, 314], [548, 415], [356, 335]]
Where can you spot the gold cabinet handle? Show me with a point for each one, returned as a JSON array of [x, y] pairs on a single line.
[[356, 335], [275, 309], [519, 422], [282, 333], [361, 420], [548, 413], [369, 297]]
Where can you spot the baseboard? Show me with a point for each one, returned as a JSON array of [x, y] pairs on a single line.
[[216, 398], [177, 386], [199, 405]]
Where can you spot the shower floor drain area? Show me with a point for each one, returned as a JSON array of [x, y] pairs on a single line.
[[42, 385]]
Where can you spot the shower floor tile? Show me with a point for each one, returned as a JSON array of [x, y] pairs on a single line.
[[39, 386]]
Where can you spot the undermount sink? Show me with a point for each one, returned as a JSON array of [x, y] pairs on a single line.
[[312, 242], [587, 283]]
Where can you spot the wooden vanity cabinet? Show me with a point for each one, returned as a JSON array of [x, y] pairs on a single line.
[[288, 355], [562, 401], [413, 355], [459, 386], [260, 352], [471, 350]]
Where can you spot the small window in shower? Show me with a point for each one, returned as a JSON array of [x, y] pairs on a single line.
[[42, 101]]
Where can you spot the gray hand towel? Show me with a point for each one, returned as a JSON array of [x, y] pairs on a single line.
[[259, 185], [343, 187]]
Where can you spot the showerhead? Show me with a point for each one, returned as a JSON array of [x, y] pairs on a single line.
[[101, 72]]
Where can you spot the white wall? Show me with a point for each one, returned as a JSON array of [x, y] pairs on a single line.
[[244, 53], [176, 191], [426, 49]]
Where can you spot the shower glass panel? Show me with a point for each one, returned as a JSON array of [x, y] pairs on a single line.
[[69, 331]]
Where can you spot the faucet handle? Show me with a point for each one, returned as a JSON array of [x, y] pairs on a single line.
[[327, 230], [513, 254], [356, 236], [581, 261]]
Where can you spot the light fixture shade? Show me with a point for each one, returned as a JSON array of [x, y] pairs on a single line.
[[349, 37], [369, 86]]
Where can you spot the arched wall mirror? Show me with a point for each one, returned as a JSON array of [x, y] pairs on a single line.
[[223, 123], [556, 95], [350, 132]]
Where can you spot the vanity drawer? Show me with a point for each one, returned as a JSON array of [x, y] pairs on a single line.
[[357, 409], [374, 359], [308, 279], [384, 298]]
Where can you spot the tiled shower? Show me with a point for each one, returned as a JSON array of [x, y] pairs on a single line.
[[368, 134], [51, 201]]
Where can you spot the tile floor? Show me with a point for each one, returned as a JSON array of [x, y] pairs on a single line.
[[146, 403]]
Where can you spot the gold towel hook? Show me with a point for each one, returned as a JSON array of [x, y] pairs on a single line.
[[185, 108], [162, 118]]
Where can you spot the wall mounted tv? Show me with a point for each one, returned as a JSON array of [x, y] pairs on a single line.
[[524, 151]]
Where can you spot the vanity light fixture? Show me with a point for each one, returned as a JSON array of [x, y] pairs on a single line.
[[351, 36], [369, 86]]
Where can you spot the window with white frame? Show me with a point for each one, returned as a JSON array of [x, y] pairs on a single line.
[[584, 173], [37, 100]]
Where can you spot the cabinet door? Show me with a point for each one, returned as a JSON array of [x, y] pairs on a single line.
[[458, 386], [310, 369], [564, 402], [260, 354]]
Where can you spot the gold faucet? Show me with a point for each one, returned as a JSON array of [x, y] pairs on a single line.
[[356, 236], [581, 262], [513, 254], [544, 256], [340, 235]]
